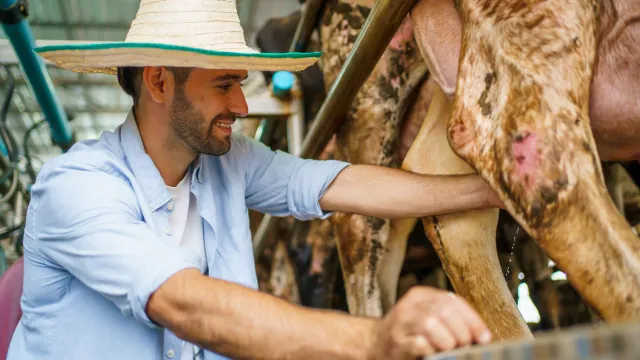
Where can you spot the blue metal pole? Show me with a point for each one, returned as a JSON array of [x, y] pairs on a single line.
[[5, 4], [33, 68]]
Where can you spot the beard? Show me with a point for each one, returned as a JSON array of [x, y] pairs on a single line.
[[190, 126]]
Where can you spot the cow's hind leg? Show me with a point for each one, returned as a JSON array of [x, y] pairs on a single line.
[[520, 117], [282, 281], [465, 242], [400, 229], [369, 135]]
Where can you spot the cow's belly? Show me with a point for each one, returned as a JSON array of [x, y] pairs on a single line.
[[614, 107]]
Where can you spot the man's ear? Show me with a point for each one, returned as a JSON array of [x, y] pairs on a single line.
[[155, 80]]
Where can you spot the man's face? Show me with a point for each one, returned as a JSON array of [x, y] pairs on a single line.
[[205, 106]]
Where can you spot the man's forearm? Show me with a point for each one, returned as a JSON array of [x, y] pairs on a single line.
[[392, 193], [241, 323]]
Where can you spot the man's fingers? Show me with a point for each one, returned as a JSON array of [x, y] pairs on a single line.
[[420, 346], [456, 324], [438, 334]]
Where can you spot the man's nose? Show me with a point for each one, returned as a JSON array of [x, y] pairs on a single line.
[[238, 103]]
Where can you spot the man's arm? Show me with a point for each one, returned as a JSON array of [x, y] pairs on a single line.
[[282, 185], [392, 193], [245, 324], [242, 323]]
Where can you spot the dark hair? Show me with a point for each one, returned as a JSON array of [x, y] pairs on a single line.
[[130, 79]]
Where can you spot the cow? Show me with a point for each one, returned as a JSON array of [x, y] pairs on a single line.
[[539, 92], [502, 78]]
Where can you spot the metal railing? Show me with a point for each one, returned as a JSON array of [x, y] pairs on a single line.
[[13, 14]]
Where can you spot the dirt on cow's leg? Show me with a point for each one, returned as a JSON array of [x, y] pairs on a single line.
[[369, 135], [282, 282], [465, 242], [613, 177], [361, 244], [520, 118], [317, 283]]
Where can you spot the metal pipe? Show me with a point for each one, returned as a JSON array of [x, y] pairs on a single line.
[[307, 23], [23, 42], [295, 129], [285, 87], [295, 121], [6, 4], [378, 30], [267, 226], [264, 134]]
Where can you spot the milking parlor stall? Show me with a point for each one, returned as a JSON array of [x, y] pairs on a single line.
[[540, 98]]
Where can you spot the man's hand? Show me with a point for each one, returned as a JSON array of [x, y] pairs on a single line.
[[426, 321]]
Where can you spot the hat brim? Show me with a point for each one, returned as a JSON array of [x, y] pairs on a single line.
[[107, 57]]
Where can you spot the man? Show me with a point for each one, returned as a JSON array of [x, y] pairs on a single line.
[[137, 245]]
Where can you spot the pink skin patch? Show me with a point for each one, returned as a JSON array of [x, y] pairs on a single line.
[[402, 36], [527, 161], [460, 136]]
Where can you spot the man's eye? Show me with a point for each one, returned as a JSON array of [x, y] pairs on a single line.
[[224, 87]]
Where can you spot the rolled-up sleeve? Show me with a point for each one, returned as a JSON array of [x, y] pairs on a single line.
[[88, 223], [281, 184]]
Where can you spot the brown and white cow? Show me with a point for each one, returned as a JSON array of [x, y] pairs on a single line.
[[531, 82], [514, 100]]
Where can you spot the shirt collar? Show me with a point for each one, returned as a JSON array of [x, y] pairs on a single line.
[[153, 186], [197, 168]]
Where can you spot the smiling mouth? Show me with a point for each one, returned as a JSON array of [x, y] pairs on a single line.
[[223, 128], [223, 125]]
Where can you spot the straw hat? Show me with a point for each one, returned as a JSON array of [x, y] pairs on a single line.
[[188, 33]]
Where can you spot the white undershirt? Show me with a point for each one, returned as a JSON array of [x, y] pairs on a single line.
[[186, 229]]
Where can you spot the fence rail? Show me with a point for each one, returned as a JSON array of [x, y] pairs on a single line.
[[591, 342]]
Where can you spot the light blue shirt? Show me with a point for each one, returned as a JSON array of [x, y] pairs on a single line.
[[97, 243]]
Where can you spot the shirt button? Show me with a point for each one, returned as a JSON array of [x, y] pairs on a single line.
[[170, 207], [170, 354], [167, 230]]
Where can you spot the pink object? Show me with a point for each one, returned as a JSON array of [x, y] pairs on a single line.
[[10, 311]]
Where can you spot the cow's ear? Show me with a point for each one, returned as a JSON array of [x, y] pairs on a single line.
[[438, 31]]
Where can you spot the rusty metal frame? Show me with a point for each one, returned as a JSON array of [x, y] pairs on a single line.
[[378, 30]]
